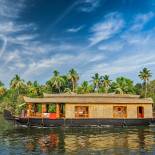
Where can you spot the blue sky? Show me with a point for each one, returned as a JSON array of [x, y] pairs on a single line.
[[115, 37]]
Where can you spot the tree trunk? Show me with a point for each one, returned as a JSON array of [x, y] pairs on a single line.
[[145, 89], [59, 90], [73, 85], [106, 90]]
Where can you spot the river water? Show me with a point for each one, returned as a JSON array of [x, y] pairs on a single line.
[[15, 140]]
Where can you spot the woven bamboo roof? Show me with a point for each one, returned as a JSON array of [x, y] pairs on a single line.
[[90, 98], [92, 95]]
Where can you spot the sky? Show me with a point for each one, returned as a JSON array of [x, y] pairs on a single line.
[[114, 37]]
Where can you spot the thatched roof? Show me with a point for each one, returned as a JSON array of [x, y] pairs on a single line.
[[92, 95], [90, 98]]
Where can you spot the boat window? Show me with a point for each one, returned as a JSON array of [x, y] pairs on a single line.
[[52, 108], [81, 111], [119, 111], [37, 108], [62, 110], [140, 112], [47, 108]]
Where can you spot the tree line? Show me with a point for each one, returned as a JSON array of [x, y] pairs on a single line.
[[12, 98]]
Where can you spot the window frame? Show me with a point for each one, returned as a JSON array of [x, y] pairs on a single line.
[[77, 115], [115, 115]]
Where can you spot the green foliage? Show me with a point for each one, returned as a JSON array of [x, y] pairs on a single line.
[[105, 82], [145, 76], [34, 90], [123, 85], [85, 88], [96, 79], [73, 77], [56, 82], [1, 84], [52, 108], [67, 90], [151, 89]]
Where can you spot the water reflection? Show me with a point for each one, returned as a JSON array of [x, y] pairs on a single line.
[[20, 140]]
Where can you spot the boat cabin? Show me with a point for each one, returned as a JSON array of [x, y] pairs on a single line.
[[58, 106]]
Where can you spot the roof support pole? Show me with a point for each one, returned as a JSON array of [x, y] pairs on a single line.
[[57, 110], [29, 110], [43, 108]]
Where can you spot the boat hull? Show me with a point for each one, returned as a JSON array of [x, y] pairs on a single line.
[[83, 122]]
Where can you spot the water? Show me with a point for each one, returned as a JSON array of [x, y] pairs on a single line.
[[83, 141]]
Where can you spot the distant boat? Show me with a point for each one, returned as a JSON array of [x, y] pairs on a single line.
[[76, 110]]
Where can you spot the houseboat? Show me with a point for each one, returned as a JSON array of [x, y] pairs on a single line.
[[75, 110]]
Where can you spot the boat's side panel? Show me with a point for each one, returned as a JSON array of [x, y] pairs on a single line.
[[100, 122], [83, 122], [148, 111], [107, 110]]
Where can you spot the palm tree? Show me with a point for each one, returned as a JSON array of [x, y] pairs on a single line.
[[29, 83], [34, 89], [96, 82], [73, 77], [106, 82], [57, 81], [17, 83], [122, 86], [85, 88], [67, 91], [145, 75]]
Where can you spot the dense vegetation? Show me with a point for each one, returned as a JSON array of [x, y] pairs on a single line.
[[12, 98]]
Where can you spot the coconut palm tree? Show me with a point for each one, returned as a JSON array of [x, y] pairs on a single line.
[[105, 81], [67, 91], [73, 77], [17, 83], [34, 89], [122, 86], [96, 79], [85, 88], [57, 81], [145, 75], [29, 83]]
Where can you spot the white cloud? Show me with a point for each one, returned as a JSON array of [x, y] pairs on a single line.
[[10, 27], [11, 8], [112, 46], [4, 44], [140, 21], [75, 29], [112, 24], [11, 32], [97, 58], [13, 56], [89, 5]]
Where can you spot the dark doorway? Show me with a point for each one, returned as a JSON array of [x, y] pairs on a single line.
[[140, 112]]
